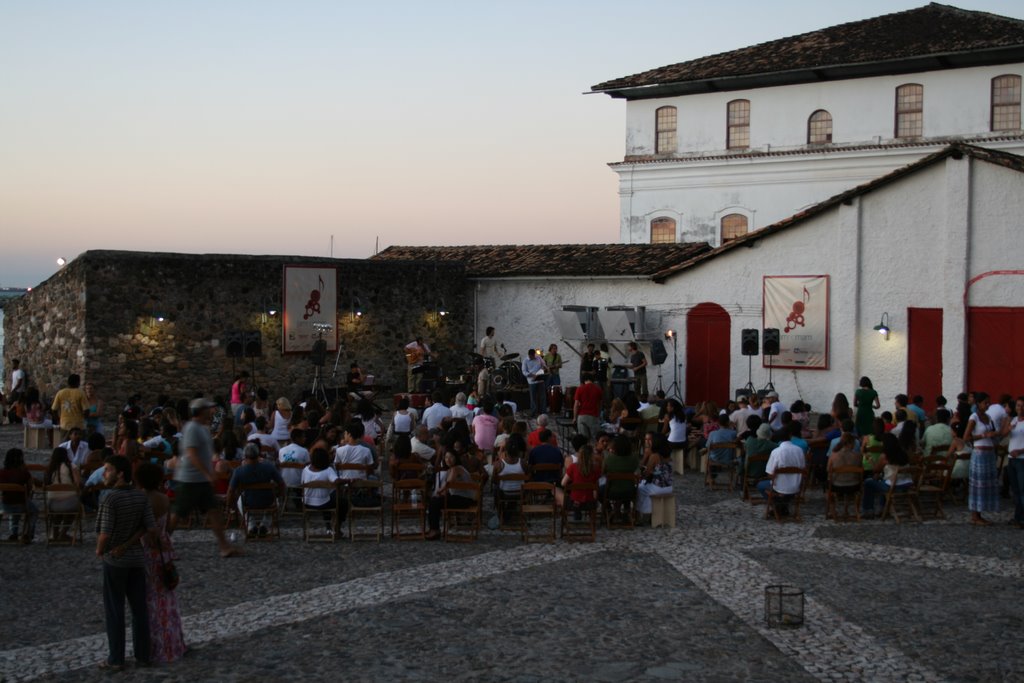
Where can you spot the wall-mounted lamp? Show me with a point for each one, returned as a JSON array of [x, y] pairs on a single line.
[[61, 262], [669, 334], [883, 327], [357, 307], [442, 310], [269, 310]]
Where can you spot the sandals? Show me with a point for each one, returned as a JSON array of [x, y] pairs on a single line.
[[981, 521]]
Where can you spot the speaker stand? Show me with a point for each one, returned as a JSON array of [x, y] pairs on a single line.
[[769, 387], [749, 388], [318, 391]]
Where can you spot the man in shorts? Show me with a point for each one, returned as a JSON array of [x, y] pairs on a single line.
[[194, 475]]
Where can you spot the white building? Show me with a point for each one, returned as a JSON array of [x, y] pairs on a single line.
[[730, 143], [933, 247]]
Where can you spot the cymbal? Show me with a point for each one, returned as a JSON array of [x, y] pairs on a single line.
[[477, 358], [510, 356]]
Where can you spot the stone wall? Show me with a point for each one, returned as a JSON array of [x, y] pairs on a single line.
[[98, 317], [46, 329]]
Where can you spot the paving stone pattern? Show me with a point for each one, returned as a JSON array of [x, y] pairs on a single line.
[[884, 602]]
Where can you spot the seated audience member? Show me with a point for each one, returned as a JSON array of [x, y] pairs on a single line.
[[786, 454], [546, 452], [657, 475], [75, 446], [509, 462], [452, 471], [294, 452], [262, 437], [460, 409], [319, 469], [424, 445], [61, 471], [484, 426], [843, 453], [254, 471], [938, 435], [584, 470], [353, 452], [435, 413], [534, 439], [620, 460], [759, 443], [18, 505], [403, 421], [893, 457], [724, 434]]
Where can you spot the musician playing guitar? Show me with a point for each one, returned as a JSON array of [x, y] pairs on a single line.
[[416, 352]]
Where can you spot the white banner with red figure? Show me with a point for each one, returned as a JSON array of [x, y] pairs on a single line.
[[798, 306], [310, 301]]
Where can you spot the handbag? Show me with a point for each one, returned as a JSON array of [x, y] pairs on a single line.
[[168, 572]]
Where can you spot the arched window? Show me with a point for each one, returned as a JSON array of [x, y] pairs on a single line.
[[663, 231], [910, 111], [733, 225], [665, 130], [738, 123], [819, 128], [1006, 102]]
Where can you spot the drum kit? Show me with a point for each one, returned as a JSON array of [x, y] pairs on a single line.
[[504, 376]]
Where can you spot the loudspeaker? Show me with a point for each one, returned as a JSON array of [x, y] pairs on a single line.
[[771, 341], [749, 342], [234, 343], [318, 354], [253, 344], [658, 353]]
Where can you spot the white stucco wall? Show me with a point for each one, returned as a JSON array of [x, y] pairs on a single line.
[[956, 102], [704, 178], [903, 245]]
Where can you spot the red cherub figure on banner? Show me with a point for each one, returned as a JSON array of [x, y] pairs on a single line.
[[796, 316], [313, 305]]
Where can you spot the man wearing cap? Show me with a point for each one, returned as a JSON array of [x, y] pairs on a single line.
[[738, 418], [194, 475]]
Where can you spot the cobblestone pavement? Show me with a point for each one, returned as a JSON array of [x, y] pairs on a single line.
[[884, 602]]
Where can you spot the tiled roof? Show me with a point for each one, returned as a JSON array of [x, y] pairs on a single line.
[[594, 260], [930, 37], [1005, 159]]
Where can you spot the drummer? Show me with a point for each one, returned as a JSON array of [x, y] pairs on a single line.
[[489, 347]]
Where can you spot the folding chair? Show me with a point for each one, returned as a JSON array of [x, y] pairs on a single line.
[[365, 500], [537, 502], [903, 501], [776, 500], [833, 496], [624, 499], [584, 529], [57, 522], [272, 510], [470, 516], [409, 500], [329, 533]]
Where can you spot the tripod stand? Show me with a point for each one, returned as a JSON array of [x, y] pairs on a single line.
[[769, 387], [673, 389], [318, 355]]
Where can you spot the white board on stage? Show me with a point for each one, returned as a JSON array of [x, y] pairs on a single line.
[[569, 325], [616, 326]]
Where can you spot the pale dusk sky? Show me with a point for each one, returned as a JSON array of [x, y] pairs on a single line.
[[267, 127]]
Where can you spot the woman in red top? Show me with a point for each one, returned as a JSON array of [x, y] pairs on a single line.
[[583, 471]]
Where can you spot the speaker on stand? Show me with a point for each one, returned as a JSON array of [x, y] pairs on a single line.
[[749, 342], [771, 349], [234, 348]]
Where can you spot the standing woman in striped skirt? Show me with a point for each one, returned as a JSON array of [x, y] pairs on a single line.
[[983, 480]]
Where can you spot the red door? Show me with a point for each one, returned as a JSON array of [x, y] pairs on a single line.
[[994, 362], [707, 354], [924, 354]]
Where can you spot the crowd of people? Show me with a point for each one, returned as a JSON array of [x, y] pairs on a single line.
[[180, 460]]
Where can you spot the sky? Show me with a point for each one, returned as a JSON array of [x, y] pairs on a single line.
[[256, 127]]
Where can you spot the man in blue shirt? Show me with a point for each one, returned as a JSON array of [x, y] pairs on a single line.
[[547, 453], [255, 471]]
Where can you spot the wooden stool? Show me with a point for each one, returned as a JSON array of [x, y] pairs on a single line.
[[38, 437], [663, 510], [678, 460]]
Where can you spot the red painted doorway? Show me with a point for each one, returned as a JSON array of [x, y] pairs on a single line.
[[994, 364], [924, 354], [708, 354]]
